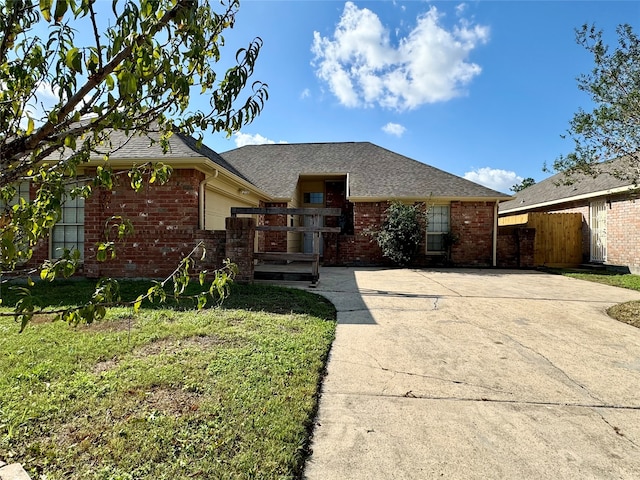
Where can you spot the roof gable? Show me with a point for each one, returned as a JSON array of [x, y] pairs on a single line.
[[374, 172]]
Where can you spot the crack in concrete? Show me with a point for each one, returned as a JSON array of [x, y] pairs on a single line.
[[435, 303], [421, 375], [540, 403], [573, 381]]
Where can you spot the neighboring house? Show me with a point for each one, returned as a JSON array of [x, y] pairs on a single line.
[[610, 209], [359, 178], [362, 179]]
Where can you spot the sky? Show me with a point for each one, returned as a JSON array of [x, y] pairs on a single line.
[[483, 89]]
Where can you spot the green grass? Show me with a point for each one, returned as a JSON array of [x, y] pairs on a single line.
[[616, 279], [628, 312], [222, 393]]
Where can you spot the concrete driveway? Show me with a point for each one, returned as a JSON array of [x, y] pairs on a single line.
[[476, 374]]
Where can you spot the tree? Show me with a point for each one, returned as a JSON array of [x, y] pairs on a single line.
[[525, 183], [611, 130], [134, 67], [401, 232]]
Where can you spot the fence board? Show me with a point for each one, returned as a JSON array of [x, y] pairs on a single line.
[[558, 240]]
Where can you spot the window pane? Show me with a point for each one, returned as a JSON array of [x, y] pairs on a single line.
[[438, 224], [69, 231], [438, 219], [434, 243], [313, 197]]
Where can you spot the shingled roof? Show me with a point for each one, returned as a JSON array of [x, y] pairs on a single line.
[[554, 190], [146, 147], [373, 171]]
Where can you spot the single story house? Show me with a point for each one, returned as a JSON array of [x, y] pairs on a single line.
[[610, 209], [360, 178]]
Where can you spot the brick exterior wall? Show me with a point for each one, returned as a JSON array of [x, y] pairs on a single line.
[[515, 247], [165, 220], [623, 232], [273, 241], [239, 245], [473, 223]]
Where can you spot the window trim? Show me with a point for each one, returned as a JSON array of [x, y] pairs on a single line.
[[78, 245], [439, 232]]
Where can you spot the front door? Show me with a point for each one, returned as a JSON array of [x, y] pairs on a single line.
[[598, 227]]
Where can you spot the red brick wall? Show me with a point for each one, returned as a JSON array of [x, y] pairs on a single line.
[[364, 250], [273, 241], [623, 232], [165, 220], [239, 245], [473, 223], [515, 247]]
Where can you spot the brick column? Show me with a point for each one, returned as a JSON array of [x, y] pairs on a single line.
[[239, 245]]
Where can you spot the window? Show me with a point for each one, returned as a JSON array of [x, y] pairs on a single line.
[[69, 231], [316, 198], [438, 225], [22, 191]]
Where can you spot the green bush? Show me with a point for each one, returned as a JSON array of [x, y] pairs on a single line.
[[401, 232]]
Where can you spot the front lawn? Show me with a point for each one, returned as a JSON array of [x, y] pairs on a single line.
[[628, 312], [222, 393]]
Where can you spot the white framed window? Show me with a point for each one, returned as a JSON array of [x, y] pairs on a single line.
[[438, 225], [69, 231]]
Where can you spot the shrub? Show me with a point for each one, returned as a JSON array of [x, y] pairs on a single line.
[[401, 232]]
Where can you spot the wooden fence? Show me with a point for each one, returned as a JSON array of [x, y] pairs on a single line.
[[558, 240]]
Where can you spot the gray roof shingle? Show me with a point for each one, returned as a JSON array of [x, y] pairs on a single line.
[[553, 190], [374, 171], [146, 147]]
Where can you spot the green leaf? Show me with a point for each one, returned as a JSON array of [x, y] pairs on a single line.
[[73, 60], [45, 9], [138, 303], [109, 81], [61, 9], [30, 126]]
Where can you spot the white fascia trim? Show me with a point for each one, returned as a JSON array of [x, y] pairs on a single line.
[[584, 196]]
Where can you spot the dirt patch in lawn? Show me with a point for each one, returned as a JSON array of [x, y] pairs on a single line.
[[628, 312]]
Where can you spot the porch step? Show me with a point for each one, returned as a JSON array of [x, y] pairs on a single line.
[[283, 276], [593, 266]]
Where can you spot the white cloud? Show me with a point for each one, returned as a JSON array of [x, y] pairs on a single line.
[[242, 139], [44, 98], [306, 93], [494, 178], [394, 129], [363, 68]]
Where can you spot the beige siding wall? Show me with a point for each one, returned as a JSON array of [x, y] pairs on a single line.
[[219, 198], [294, 240]]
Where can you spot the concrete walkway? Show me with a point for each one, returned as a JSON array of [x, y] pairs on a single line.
[[476, 374]]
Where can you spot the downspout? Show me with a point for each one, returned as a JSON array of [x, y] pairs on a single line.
[[495, 234], [202, 199]]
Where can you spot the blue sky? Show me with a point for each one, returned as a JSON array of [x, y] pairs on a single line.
[[480, 89]]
